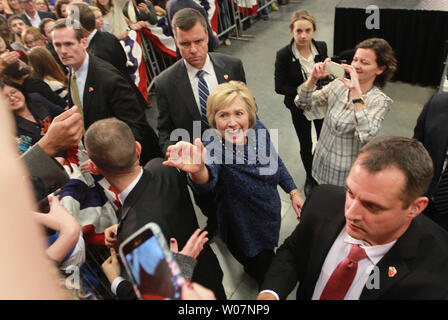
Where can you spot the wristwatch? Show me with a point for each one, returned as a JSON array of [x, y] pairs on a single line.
[[359, 100]]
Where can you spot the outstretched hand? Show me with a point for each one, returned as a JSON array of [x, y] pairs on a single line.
[[186, 156], [194, 245]]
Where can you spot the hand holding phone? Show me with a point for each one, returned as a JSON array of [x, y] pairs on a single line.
[[150, 264]]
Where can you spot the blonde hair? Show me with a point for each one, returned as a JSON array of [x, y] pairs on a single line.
[[302, 15], [224, 94], [93, 8], [33, 31]]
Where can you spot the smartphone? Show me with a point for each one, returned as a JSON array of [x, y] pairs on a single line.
[[335, 69], [151, 265], [139, 1]]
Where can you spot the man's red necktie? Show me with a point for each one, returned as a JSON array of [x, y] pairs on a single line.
[[342, 277]]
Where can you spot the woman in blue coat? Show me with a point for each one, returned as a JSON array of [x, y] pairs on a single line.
[[242, 166]]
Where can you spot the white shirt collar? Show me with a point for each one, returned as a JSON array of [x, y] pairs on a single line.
[[374, 253], [297, 54], [192, 71], [124, 194], [91, 36], [83, 69]]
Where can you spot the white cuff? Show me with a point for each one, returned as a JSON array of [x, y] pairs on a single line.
[[115, 284]]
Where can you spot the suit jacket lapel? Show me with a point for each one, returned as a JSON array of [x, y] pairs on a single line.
[[405, 249], [220, 71], [326, 235], [184, 90], [89, 85], [134, 195]]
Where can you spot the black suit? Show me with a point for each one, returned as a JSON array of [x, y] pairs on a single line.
[[42, 15], [420, 255], [288, 76], [106, 46], [175, 99], [161, 196], [432, 130], [108, 94]]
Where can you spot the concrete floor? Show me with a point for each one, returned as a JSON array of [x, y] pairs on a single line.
[[258, 56]]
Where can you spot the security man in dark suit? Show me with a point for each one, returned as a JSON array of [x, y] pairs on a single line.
[[100, 90], [368, 241], [155, 193]]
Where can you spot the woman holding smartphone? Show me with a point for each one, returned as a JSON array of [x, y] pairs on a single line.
[[293, 66], [354, 108]]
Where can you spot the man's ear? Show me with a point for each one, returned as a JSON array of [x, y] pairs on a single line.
[[138, 148], [417, 206], [85, 42]]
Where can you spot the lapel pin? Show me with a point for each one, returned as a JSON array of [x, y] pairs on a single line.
[[293, 60], [90, 89], [226, 77], [392, 272]]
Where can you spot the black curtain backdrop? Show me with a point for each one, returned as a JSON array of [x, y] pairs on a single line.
[[417, 37]]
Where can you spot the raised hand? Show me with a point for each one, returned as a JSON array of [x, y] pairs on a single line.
[[353, 83], [193, 246], [186, 156]]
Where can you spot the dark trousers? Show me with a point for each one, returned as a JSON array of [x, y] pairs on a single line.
[[256, 266], [303, 131]]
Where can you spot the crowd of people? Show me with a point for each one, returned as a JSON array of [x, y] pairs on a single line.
[[370, 203]]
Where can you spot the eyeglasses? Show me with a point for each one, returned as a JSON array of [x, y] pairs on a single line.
[[31, 42], [12, 94]]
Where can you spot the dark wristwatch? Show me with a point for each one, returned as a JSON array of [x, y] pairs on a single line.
[[359, 100]]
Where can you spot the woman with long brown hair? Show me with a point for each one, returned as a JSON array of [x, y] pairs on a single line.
[[46, 68]]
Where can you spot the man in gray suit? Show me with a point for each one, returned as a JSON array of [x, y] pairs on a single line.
[[178, 99]]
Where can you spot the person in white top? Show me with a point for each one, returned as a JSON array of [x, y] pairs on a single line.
[[405, 253], [293, 65]]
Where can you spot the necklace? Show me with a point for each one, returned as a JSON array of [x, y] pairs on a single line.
[[245, 155]]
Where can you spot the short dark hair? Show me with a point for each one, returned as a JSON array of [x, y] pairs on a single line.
[[58, 8], [66, 23], [186, 18], [408, 155], [111, 145], [86, 16], [11, 18], [385, 56], [42, 24]]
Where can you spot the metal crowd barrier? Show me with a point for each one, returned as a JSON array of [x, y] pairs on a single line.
[[155, 62]]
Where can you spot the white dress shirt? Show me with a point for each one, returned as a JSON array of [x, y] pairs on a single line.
[[339, 251], [89, 38], [209, 77], [122, 197], [306, 64], [34, 21], [81, 77]]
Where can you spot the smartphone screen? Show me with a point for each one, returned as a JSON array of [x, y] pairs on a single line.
[[153, 268]]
